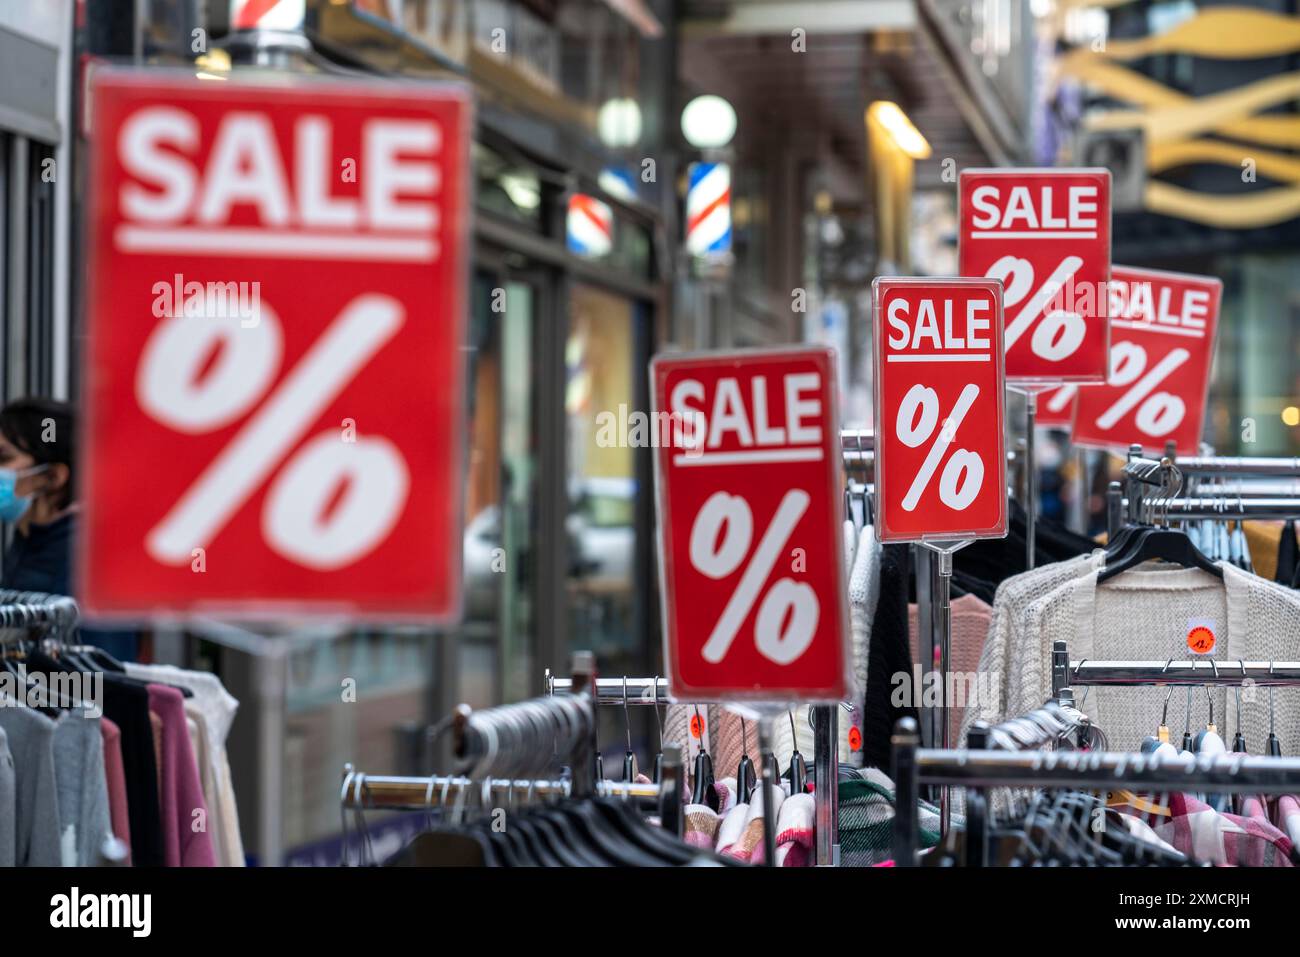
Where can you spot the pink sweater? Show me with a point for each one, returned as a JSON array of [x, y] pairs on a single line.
[[186, 840]]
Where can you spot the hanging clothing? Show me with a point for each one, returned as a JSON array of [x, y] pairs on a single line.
[[1147, 613], [184, 814], [866, 805], [864, 597], [970, 627], [213, 709], [1226, 840], [82, 787], [998, 658], [115, 781], [887, 656], [30, 739], [126, 704], [1288, 555], [795, 831], [8, 806], [1264, 538]]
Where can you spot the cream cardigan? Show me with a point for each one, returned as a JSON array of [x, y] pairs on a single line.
[[1146, 614]]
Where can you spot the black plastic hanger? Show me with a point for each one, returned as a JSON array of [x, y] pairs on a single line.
[[746, 777], [629, 756], [702, 790], [1164, 544], [798, 767]]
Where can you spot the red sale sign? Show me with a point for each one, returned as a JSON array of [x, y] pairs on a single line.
[[274, 364], [941, 459], [1163, 326], [1056, 407], [751, 543], [1046, 234]]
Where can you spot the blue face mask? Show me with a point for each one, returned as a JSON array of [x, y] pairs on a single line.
[[12, 506]]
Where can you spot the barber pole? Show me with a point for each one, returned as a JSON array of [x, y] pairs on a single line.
[[266, 14], [589, 226], [708, 210]]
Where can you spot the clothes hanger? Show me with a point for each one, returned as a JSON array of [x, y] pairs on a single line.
[[659, 757], [798, 767], [629, 756], [1147, 542], [1273, 747], [703, 791], [746, 777]]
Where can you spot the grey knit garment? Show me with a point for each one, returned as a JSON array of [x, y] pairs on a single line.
[[31, 743], [997, 662], [84, 820], [8, 810], [864, 594], [1146, 614]]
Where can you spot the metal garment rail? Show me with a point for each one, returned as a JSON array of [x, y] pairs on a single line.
[[363, 791], [654, 691], [1237, 465], [1201, 507], [1081, 770], [1067, 674]]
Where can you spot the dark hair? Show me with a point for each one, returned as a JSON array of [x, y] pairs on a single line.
[[25, 423]]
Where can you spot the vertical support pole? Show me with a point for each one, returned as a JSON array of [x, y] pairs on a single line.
[[977, 834], [1114, 509], [826, 766], [273, 691], [924, 617], [1031, 480], [943, 639], [1060, 668], [1133, 488], [905, 742], [769, 821]]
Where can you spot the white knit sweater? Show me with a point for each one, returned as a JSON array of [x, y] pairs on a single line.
[[997, 660], [1146, 614]]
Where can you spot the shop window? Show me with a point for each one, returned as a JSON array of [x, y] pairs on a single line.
[[602, 480], [507, 189]]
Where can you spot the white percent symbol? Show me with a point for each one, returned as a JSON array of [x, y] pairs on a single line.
[[1061, 331], [1160, 412], [720, 538], [917, 421], [170, 390]]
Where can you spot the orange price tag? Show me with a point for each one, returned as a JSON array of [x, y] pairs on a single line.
[[1200, 639], [697, 727], [855, 739]]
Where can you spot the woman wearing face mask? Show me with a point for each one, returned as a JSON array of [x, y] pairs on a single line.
[[38, 461]]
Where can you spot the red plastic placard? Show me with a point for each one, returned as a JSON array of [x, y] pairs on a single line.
[[751, 541], [940, 446], [275, 385], [1163, 327], [1046, 234]]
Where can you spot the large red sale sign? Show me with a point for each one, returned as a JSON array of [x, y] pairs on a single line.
[[274, 365], [1046, 234], [750, 525], [941, 458], [1163, 328]]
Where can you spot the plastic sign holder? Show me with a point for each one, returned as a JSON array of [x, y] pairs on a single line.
[[940, 439]]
